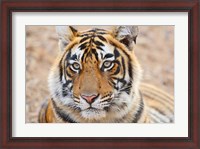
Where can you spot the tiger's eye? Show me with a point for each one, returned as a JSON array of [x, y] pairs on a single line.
[[76, 66], [107, 64]]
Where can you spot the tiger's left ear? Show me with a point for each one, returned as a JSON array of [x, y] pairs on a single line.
[[66, 35], [126, 35]]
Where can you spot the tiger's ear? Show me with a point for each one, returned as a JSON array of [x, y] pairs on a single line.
[[126, 35], [65, 34]]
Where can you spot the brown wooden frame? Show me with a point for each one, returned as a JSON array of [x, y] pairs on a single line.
[[9, 6]]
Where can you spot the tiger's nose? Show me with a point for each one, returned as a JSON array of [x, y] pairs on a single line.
[[89, 98]]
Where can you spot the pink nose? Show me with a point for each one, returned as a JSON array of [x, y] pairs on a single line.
[[90, 99]]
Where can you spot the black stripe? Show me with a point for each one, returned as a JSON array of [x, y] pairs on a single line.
[[84, 54], [102, 38], [68, 55], [98, 47], [73, 57], [112, 82], [84, 39], [139, 111], [95, 53], [65, 66], [127, 89], [116, 53], [124, 68], [83, 46], [108, 55], [130, 70], [64, 116], [98, 43], [60, 69], [117, 62], [117, 70]]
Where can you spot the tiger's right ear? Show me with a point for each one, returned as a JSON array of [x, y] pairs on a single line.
[[65, 34], [126, 35]]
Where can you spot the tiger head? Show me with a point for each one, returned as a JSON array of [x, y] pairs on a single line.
[[96, 74]]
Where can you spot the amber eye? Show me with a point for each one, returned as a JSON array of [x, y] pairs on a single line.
[[76, 66], [107, 64]]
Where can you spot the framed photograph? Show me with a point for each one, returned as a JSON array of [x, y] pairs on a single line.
[[100, 74]]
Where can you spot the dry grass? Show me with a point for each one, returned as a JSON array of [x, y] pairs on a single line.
[[155, 51]]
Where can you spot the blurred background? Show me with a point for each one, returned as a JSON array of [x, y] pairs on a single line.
[[154, 49]]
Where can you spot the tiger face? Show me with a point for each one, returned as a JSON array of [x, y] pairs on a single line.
[[96, 73]]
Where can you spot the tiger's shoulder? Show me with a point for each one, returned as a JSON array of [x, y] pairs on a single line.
[[159, 104]]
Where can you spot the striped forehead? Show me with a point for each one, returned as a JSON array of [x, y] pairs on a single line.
[[95, 43]]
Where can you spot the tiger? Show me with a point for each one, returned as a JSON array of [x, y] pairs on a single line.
[[96, 78]]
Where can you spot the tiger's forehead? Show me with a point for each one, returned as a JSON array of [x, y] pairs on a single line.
[[93, 42]]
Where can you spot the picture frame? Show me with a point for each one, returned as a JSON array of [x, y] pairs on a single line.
[[193, 139]]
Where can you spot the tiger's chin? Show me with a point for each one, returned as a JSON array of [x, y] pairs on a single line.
[[93, 114]]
